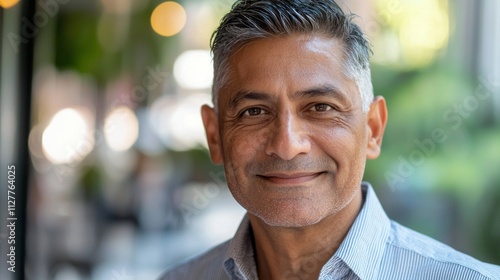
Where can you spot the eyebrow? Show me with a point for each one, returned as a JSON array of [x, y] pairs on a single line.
[[250, 95], [323, 90]]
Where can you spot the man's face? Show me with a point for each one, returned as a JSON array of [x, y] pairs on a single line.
[[290, 130]]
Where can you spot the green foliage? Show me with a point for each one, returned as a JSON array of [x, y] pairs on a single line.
[[421, 102], [77, 46]]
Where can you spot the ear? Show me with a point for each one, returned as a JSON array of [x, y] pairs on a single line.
[[377, 119], [211, 124]]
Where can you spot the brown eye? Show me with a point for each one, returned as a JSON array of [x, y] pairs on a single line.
[[253, 112], [321, 107]]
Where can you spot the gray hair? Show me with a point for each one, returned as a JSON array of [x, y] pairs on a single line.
[[253, 19]]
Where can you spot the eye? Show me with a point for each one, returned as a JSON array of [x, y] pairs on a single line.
[[253, 111], [321, 107]]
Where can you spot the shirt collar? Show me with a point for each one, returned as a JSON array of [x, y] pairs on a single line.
[[364, 245], [361, 250], [239, 260]]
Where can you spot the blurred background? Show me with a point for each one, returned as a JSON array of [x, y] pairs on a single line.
[[100, 106]]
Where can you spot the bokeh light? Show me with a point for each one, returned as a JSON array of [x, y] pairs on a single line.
[[8, 3], [414, 32], [193, 69], [178, 123], [121, 128], [168, 18], [68, 138]]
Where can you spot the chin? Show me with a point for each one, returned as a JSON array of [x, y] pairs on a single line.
[[290, 218]]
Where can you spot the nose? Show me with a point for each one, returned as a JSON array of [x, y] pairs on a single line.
[[288, 138]]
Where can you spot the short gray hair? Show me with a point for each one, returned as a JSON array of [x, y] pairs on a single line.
[[253, 19]]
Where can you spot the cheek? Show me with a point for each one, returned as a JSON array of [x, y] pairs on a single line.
[[241, 147], [339, 141], [346, 145]]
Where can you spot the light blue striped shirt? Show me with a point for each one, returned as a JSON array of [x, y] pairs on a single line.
[[374, 248]]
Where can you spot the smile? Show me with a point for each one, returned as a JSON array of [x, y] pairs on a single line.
[[290, 178]]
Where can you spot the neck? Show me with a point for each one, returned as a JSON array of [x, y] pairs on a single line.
[[300, 253]]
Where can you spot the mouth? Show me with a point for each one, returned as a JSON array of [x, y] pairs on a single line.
[[290, 178]]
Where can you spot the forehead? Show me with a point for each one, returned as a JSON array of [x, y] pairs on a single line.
[[287, 64]]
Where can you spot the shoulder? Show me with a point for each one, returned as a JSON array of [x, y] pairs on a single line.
[[208, 265], [421, 256]]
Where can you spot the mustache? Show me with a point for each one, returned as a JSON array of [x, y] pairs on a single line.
[[302, 164]]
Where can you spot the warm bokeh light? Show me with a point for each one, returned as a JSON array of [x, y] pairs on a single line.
[[193, 69], [121, 128], [178, 122], [8, 3], [168, 18], [414, 32], [68, 137]]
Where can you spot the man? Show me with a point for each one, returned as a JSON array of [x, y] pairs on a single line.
[[293, 123]]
